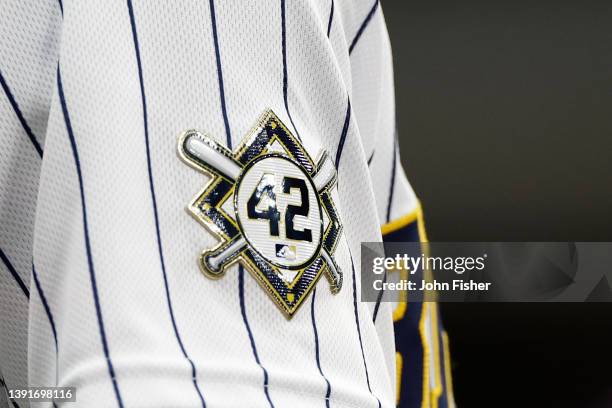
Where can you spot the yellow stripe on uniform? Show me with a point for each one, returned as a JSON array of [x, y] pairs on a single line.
[[405, 220], [450, 397], [401, 222]]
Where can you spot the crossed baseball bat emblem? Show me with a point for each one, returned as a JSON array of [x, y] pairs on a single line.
[[205, 153]]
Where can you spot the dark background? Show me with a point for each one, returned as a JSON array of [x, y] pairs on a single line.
[[504, 113]]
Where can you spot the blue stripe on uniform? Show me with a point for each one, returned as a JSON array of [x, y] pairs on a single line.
[[316, 336], [45, 304], [22, 120], [312, 315], [154, 201], [379, 299], [365, 365], [392, 187], [371, 157], [347, 120], [285, 79], [47, 311], [248, 327], [331, 18], [363, 26], [14, 274], [92, 273], [229, 146], [5, 390], [220, 73]]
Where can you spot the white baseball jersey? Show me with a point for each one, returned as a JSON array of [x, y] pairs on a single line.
[[184, 187]]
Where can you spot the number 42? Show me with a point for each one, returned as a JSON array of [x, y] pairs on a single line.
[[265, 192]]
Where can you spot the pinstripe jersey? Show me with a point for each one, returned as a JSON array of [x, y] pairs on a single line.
[[100, 287]]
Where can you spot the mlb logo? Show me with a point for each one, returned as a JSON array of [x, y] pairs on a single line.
[[288, 252]]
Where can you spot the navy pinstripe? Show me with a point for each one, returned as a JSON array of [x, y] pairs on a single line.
[[15, 405], [154, 202], [22, 120], [389, 201], [379, 299], [331, 18], [365, 365], [284, 46], [285, 79], [92, 273], [392, 188], [338, 156], [248, 327], [245, 319], [14, 274], [43, 299], [213, 21], [363, 25], [316, 337], [3, 385], [347, 120], [47, 311], [371, 157]]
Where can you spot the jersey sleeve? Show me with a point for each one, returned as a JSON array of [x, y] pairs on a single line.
[[29, 38], [127, 132], [423, 374], [121, 304], [398, 206], [420, 339]]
